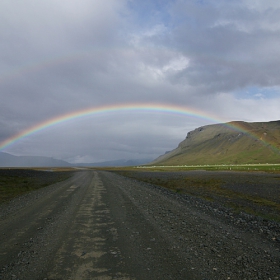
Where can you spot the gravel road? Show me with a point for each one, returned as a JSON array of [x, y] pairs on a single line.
[[100, 225]]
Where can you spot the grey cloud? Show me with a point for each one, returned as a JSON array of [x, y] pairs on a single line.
[[97, 137], [59, 57]]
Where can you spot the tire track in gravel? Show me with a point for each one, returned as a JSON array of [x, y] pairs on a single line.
[[205, 244], [29, 237], [84, 244], [37, 212]]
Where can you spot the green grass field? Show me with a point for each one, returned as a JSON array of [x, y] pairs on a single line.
[[16, 182], [234, 167]]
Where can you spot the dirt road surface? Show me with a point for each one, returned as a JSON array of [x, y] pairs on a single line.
[[100, 225]]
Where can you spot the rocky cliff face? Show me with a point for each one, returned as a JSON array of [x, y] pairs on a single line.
[[230, 143]]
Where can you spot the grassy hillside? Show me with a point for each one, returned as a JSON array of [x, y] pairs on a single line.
[[231, 143]]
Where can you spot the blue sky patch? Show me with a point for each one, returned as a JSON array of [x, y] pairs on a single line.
[[258, 93]]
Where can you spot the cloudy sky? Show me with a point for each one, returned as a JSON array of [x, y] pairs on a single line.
[[217, 57]]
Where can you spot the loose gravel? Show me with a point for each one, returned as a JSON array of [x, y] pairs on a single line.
[[131, 230]]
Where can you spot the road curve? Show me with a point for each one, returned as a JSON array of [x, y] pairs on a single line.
[[99, 225]]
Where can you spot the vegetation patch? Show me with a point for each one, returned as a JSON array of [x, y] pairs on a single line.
[[16, 182]]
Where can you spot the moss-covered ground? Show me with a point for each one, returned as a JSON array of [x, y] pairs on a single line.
[[16, 182]]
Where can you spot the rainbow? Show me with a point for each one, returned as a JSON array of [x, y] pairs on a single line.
[[146, 107]]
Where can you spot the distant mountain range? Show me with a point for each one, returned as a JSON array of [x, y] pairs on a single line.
[[8, 160], [120, 162], [230, 143]]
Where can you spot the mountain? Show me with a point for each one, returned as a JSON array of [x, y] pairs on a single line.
[[230, 143], [120, 162], [8, 160]]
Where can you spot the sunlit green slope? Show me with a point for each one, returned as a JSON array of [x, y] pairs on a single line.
[[222, 144]]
